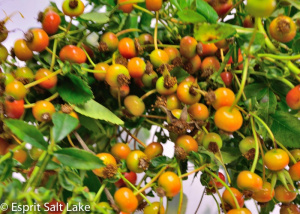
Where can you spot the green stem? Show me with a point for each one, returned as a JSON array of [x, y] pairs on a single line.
[[287, 151], [266, 127], [88, 56], [155, 31], [243, 83], [43, 79], [91, 70], [267, 40], [181, 190], [161, 45], [152, 181], [154, 123], [281, 57], [143, 10], [130, 2], [128, 31], [98, 195], [69, 26], [134, 188], [148, 94], [225, 185], [293, 68], [279, 78], [53, 55], [256, 146]]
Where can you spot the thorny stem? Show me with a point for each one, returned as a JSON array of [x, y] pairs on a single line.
[[225, 185]]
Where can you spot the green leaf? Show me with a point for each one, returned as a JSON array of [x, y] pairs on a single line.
[[267, 105], [296, 46], [99, 18], [211, 33], [97, 111], [245, 38], [295, 3], [68, 180], [74, 90], [252, 89], [230, 154], [286, 129], [176, 4], [207, 11], [27, 133], [179, 73], [190, 16], [78, 159], [63, 125]]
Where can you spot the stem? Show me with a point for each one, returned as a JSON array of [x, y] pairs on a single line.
[[256, 146], [154, 116], [241, 90], [127, 31], [281, 57], [155, 31], [219, 210], [204, 129], [82, 143], [287, 151], [220, 159], [143, 10], [69, 26], [48, 99], [240, 134], [266, 127], [200, 201], [225, 185], [134, 188], [91, 70], [53, 55], [130, 2], [152, 181], [8, 154], [134, 137], [88, 56], [293, 68], [148, 94], [161, 45], [263, 160], [119, 98], [154, 123], [193, 171], [181, 190], [268, 42], [51, 52], [43, 79], [98, 195], [70, 141]]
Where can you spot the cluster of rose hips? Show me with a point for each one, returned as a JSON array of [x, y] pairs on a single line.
[[140, 62]]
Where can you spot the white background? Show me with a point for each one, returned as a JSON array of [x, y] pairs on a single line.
[[30, 9]]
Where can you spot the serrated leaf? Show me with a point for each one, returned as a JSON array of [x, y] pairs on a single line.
[[286, 129], [78, 159], [252, 89], [97, 111], [63, 125], [99, 18], [190, 16], [207, 11], [74, 90], [211, 33], [27, 133], [230, 154]]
